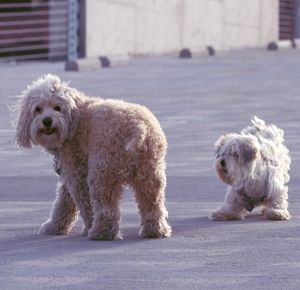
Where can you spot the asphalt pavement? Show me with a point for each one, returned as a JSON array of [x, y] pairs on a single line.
[[195, 101]]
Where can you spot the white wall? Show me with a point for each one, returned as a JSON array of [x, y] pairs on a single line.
[[144, 27]]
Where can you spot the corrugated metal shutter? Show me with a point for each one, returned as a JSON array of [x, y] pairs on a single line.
[[33, 29], [287, 19], [297, 21]]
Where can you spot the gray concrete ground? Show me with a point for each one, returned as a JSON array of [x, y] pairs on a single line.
[[195, 100]]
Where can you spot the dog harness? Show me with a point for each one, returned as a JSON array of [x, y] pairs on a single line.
[[251, 202]]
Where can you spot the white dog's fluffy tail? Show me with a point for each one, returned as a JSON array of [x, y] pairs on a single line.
[[275, 149], [262, 130]]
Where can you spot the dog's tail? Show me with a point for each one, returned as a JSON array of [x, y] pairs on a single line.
[[275, 149], [269, 131], [137, 137]]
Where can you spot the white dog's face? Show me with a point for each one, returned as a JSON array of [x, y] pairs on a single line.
[[50, 124], [235, 155], [46, 114]]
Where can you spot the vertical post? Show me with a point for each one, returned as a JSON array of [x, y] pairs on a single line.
[[72, 30], [297, 19], [75, 48], [82, 29]]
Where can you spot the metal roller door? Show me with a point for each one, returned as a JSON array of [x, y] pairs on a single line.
[[287, 11], [297, 20], [33, 29]]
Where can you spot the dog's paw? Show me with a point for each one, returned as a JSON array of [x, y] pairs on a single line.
[[104, 235], [276, 214], [156, 230], [225, 216], [105, 228], [50, 228]]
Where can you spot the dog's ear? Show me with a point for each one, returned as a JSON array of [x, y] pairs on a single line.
[[76, 110], [248, 150], [24, 120], [221, 141]]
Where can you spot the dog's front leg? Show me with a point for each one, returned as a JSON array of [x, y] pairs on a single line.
[[105, 194], [231, 209], [80, 193], [63, 214]]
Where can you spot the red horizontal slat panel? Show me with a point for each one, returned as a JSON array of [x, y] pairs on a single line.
[[286, 19], [31, 29]]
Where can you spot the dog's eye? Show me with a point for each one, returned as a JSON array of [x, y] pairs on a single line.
[[223, 163], [57, 108], [38, 109]]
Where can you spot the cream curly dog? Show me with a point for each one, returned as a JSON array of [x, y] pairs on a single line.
[[99, 146], [255, 164]]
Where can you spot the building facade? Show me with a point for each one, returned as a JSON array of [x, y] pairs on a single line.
[[56, 29], [163, 26]]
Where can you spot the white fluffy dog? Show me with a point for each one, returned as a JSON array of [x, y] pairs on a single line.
[[98, 147], [255, 164]]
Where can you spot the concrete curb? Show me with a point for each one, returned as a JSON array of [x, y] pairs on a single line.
[[82, 64], [87, 64], [186, 53], [113, 61], [283, 44]]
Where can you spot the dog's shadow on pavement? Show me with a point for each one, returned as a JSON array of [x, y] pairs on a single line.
[[195, 225], [33, 249], [39, 246], [33, 246]]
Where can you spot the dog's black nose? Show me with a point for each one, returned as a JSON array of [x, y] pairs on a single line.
[[47, 122], [223, 163]]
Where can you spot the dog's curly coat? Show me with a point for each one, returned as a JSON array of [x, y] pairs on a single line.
[[98, 146], [255, 164]]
